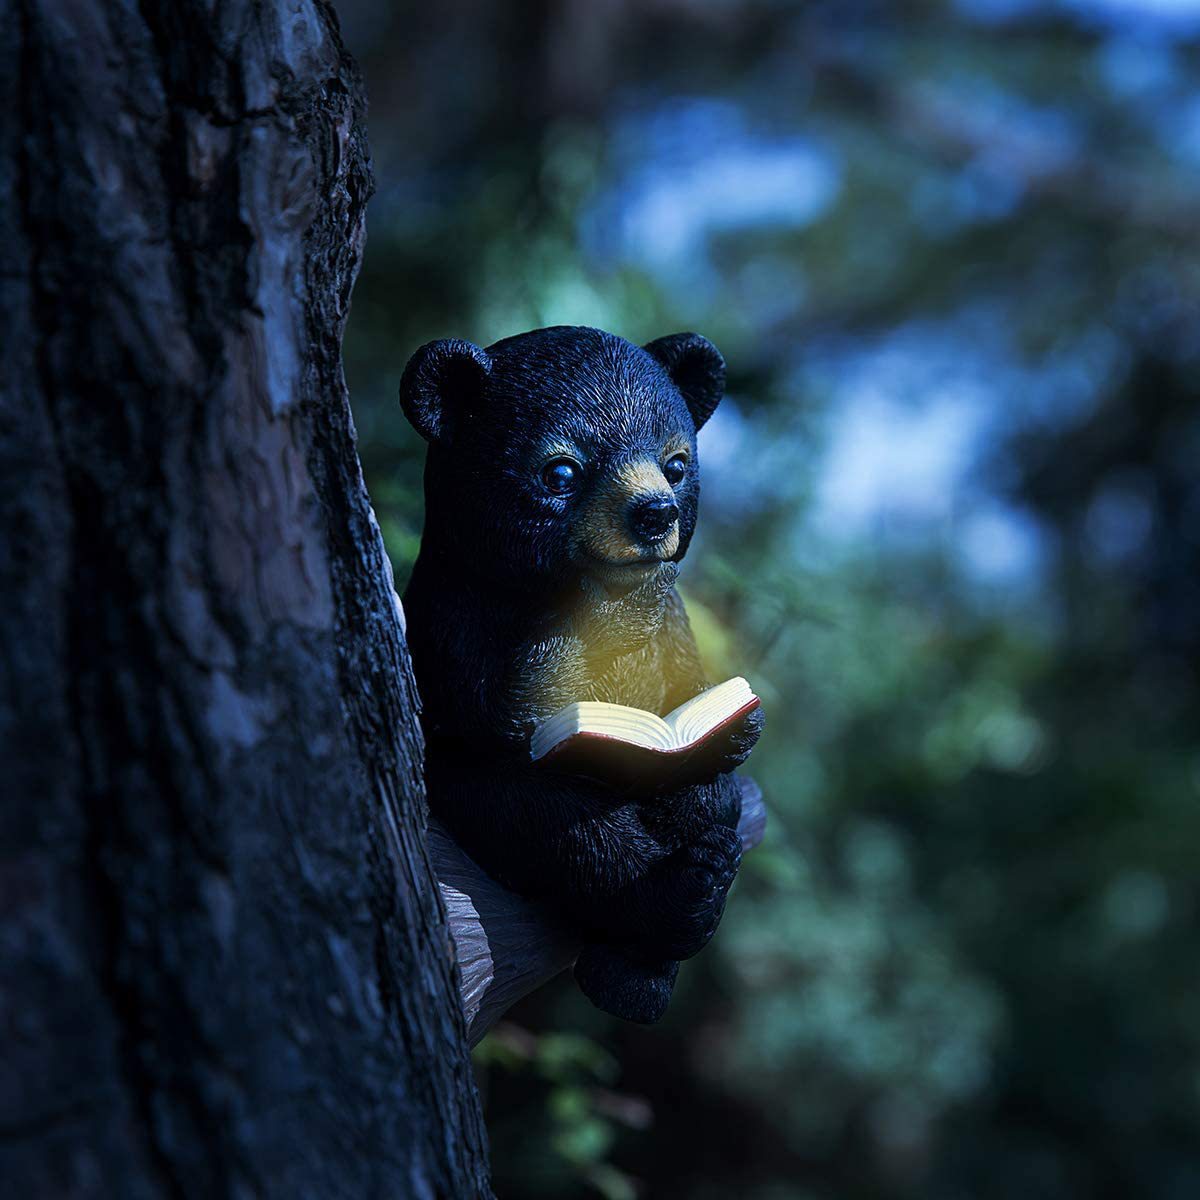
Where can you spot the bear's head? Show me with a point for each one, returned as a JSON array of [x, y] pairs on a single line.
[[564, 452]]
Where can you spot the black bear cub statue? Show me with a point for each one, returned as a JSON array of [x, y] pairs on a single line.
[[561, 487]]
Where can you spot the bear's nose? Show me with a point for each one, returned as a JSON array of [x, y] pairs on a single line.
[[651, 517]]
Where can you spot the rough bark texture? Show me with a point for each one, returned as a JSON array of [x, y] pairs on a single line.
[[225, 967]]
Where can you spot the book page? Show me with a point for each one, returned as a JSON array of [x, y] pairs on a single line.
[[697, 716], [619, 721]]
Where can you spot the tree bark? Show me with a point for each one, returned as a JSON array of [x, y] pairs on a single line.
[[226, 970]]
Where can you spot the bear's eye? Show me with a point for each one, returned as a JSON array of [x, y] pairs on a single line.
[[561, 475], [674, 469]]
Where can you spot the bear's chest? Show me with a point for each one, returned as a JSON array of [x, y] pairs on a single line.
[[635, 678]]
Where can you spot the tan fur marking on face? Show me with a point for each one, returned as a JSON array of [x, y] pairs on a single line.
[[604, 528], [638, 478], [667, 549]]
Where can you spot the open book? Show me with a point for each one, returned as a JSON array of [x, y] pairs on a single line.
[[621, 744]]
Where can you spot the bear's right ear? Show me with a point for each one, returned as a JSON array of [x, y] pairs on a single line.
[[442, 381]]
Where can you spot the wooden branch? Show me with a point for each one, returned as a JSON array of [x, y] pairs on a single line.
[[507, 946]]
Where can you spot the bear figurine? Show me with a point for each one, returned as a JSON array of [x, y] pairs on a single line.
[[561, 487]]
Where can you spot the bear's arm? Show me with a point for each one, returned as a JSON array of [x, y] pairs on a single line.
[[603, 861], [542, 835]]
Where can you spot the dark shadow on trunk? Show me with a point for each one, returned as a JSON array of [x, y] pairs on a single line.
[[226, 970]]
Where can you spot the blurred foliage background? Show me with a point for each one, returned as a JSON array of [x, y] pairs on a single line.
[[950, 530]]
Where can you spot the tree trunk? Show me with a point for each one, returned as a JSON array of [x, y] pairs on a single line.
[[225, 966]]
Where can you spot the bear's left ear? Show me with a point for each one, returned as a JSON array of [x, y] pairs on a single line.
[[696, 368], [442, 383]]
